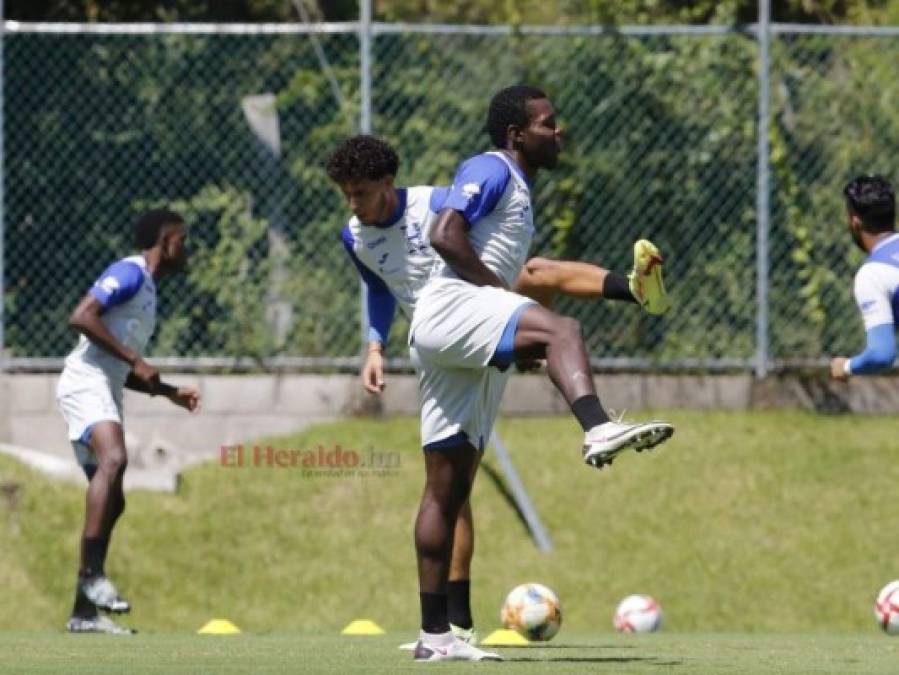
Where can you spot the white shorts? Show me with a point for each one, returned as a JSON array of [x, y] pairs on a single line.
[[86, 401], [459, 404], [459, 325], [455, 332]]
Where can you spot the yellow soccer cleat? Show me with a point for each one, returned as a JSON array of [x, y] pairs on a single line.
[[646, 278]]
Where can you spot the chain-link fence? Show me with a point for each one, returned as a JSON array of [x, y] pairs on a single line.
[[661, 142]]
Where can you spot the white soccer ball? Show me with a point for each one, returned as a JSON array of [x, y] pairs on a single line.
[[638, 614], [886, 608], [533, 611]]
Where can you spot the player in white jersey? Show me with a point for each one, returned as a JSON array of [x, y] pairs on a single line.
[[387, 241], [116, 319], [871, 207], [467, 320]]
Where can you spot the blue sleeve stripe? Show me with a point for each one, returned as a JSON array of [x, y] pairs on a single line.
[[381, 305], [879, 353]]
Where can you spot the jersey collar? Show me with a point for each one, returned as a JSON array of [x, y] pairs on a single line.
[[398, 213], [885, 241]]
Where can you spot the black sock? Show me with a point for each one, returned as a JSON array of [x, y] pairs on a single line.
[[94, 553], [458, 599], [83, 608], [589, 412], [434, 613], [617, 287]]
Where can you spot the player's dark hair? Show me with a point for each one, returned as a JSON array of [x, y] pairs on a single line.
[[871, 198], [362, 157], [509, 106], [150, 224]]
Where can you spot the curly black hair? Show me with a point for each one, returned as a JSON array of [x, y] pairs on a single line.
[[509, 106], [149, 225], [871, 198], [362, 157]]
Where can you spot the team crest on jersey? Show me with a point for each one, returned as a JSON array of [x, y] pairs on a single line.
[[414, 239]]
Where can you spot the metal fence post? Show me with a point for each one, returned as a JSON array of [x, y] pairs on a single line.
[[763, 187], [365, 128], [2, 210]]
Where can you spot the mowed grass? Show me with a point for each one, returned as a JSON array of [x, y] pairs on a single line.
[[767, 523], [693, 654]]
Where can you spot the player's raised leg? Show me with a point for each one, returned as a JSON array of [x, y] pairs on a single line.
[[545, 279], [541, 333]]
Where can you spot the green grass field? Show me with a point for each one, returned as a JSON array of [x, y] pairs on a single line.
[[693, 654], [764, 536]]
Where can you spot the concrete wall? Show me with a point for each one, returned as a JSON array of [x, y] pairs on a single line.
[[241, 408]]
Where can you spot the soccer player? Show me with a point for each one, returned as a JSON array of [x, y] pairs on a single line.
[[871, 207], [387, 240], [466, 320], [116, 319]]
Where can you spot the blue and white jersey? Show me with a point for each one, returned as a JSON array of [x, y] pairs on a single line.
[[128, 295], [493, 195], [877, 282], [395, 258], [877, 296]]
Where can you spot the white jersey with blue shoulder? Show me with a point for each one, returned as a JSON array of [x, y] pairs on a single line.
[[128, 294], [877, 296], [492, 194]]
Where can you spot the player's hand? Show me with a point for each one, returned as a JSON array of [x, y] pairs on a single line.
[[147, 374], [186, 397], [373, 372], [838, 368]]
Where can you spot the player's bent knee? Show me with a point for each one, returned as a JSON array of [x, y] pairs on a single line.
[[113, 463]]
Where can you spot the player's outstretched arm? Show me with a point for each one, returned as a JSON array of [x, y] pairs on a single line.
[[449, 237]]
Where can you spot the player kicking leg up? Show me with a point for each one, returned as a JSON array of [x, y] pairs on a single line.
[[116, 319]]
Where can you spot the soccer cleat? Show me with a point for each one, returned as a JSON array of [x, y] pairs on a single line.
[[101, 591], [645, 280], [448, 647], [97, 624], [606, 441], [467, 635]]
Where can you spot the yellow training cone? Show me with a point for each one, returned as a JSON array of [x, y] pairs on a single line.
[[504, 638], [362, 627], [219, 627]]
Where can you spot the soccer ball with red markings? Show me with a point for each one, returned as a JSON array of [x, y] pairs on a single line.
[[638, 614], [533, 611], [886, 608]]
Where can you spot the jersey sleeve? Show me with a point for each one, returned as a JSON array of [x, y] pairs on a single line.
[[873, 297], [381, 305], [478, 186], [118, 284]]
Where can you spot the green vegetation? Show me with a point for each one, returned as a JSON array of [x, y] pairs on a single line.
[[743, 523]]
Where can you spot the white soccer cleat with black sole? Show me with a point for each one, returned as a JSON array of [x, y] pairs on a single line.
[[97, 624], [102, 592], [603, 443]]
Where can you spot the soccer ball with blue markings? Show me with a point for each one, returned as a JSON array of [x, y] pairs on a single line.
[[533, 611]]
